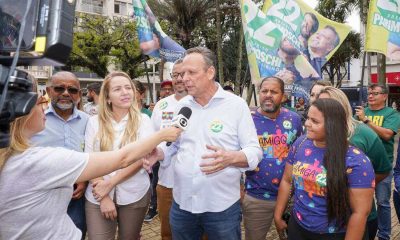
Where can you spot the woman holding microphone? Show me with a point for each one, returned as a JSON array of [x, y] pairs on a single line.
[[36, 183]]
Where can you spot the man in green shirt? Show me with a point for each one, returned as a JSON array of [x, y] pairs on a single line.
[[385, 122]]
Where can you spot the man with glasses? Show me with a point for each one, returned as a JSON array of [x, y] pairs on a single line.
[[161, 118], [385, 121], [65, 127]]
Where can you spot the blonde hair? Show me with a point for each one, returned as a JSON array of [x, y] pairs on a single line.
[[341, 97], [18, 140], [105, 134]]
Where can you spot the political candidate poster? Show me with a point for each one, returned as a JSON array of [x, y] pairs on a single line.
[[383, 28], [290, 40]]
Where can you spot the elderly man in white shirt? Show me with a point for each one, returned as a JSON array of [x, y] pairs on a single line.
[[220, 142]]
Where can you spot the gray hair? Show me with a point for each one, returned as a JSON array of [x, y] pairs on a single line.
[[208, 55]]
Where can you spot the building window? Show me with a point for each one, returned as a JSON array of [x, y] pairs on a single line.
[[116, 8]]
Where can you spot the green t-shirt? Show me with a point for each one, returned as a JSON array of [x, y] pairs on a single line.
[[387, 118], [369, 142], [146, 111]]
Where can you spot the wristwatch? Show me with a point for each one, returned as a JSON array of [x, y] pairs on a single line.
[[366, 121]]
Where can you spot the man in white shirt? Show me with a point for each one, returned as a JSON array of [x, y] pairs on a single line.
[[220, 142], [93, 93], [161, 118]]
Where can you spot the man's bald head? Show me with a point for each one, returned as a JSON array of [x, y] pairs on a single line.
[[64, 75]]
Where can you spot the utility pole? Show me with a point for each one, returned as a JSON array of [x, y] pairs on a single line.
[[381, 68]]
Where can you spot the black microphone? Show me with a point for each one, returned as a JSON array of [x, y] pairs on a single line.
[[181, 120]]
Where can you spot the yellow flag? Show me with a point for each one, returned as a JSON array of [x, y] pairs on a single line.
[[289, 40], [383, 28]]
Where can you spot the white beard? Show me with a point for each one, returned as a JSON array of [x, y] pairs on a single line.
[[65, 106]]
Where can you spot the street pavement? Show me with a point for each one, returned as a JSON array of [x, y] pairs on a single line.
[[151, 231]]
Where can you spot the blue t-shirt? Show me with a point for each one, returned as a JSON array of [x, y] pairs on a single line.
[[309, 178], [275, 137]]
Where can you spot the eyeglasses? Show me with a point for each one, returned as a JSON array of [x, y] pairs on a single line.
[[61, 89], [176, 75], [375, 93]]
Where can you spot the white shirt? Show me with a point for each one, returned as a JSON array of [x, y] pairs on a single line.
[[134, 188], [91, 108], [36, 188], [225, 122], [162, 117]]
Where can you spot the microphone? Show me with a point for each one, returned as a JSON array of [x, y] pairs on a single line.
[[181, 120]]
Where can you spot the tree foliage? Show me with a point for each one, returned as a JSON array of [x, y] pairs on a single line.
[[101, 42], [184, 15], [194, 23]]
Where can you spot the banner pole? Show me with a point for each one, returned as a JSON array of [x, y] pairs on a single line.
[[255, 95], [244, 79], [360, 96]]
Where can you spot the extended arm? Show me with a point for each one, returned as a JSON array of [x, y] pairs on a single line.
[[102, 163]]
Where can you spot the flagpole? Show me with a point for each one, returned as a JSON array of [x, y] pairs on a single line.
[[255, 94], [364, 15], [360, 96]]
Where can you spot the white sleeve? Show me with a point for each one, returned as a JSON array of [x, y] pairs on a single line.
[[60, 167], [146, 127], [169, 152], [156, 118], [248, 139], [92, 128]]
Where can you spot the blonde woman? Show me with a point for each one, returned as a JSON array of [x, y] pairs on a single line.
[[122, 197], [364, 138], [36, 183]]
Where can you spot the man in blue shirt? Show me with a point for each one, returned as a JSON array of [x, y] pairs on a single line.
[[65, 127], [320, 45]]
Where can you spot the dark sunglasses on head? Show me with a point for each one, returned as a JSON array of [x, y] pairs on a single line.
[[61, 89]]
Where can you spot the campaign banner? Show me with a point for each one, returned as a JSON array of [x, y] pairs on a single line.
[[383, 28], [153, 41], [290, 40]]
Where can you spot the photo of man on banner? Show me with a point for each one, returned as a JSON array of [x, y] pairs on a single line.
[[290, 40]]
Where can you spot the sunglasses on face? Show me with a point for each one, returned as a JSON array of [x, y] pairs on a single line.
[[61, 89]]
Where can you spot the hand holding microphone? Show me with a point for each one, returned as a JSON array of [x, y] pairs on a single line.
[[181, 120], [180, 123]]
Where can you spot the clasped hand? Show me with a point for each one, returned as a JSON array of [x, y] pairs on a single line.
[[217, 161]]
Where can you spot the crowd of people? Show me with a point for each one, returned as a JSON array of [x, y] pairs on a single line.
[[102, 172]]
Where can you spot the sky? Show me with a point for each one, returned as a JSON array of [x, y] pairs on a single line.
[[353, 20]]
